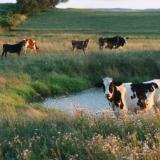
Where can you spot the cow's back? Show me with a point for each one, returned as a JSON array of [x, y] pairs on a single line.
[[146, 100], [12, 48]]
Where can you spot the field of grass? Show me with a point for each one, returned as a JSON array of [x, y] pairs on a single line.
[[28, 131], [90, 21], [6, 8], [32, 135]]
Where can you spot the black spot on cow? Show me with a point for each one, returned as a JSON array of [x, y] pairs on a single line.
[[140, 90], [116, 95]]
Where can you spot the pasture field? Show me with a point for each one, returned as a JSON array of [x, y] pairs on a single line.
[[28, 131], [6, 8]]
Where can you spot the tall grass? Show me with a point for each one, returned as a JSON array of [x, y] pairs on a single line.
[[81, 137]]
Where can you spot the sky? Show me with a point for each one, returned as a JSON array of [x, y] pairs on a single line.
[[133, 4]]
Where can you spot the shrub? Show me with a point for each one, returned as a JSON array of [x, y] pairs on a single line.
[[63, 84], [41, 88], [12, 20]]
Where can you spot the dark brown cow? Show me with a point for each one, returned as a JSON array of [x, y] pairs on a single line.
[[80, 45]]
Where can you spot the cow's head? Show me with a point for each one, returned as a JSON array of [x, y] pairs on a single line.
[[126, 39], [36, 48], [112, 93], [107, 81], [86, 41]]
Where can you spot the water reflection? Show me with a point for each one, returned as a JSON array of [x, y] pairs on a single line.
[[92, 100]]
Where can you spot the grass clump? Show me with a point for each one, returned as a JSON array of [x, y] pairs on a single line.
[[41, 88], [63, 84]]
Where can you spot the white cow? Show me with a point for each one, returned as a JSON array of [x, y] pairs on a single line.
[[133, 96]]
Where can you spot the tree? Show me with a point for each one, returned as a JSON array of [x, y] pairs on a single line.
[[28, 6], [34, 6], [55, 2]]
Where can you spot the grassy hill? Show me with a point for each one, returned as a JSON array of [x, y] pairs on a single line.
[[7, 8], [91, 21]]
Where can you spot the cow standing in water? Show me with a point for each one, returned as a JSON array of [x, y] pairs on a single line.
[[30, 43], [80, 45], [133, 96]]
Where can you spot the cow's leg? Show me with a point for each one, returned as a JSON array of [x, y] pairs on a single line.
[[18, 53], [147, 109], [111, 46], [34, 49], [25, 50], [156, 109], [84, 50], [2, 54], [5, 54], [100, 47], [73, 50], [116, 46]]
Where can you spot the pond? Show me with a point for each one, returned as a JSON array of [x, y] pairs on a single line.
[[93, 100]]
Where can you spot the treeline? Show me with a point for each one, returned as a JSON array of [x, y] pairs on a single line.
[[35, 6], [12, 15]]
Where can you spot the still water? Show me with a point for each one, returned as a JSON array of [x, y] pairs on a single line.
[[93, 100]]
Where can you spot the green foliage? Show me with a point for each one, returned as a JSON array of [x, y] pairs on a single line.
[[41, 88], [35, 6], [11, 20], [63, 84]]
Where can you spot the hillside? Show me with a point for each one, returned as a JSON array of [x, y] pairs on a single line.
[[91, 21], [7, 8]]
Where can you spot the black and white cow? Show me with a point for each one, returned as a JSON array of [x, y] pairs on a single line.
[[133, 96], [112, 42]]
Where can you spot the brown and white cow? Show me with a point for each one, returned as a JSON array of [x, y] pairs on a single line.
[[80, 45], [133, 96], [30, 43]]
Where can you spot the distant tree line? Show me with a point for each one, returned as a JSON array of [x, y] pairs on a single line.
[[35, 6]]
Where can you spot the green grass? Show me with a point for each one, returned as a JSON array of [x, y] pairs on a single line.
[[88, 21], [6, 8], [82, 137]]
